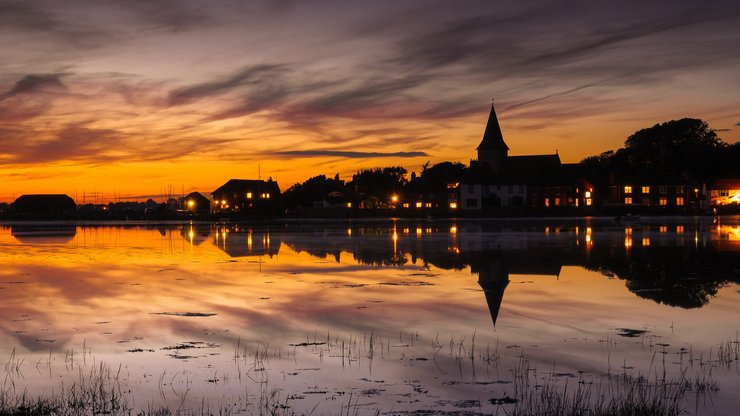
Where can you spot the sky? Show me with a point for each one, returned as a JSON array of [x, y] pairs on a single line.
[[135, 98]]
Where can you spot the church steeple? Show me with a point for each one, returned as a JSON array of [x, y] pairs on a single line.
[[492, 150], [492, 137]]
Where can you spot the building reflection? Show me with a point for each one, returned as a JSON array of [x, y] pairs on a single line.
[[679, 265], [37, 233], [244, 241]]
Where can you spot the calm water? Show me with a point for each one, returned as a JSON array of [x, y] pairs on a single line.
[[389, 316]]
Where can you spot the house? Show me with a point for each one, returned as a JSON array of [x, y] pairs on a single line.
[[498, 180], [425, 195], [245, 195], [195, 202], [656, 193], [725, 192], [44, 204]]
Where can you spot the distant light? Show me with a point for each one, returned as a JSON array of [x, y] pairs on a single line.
[[394, 198], [628, 241], [191, 203], [453, 230], [223, 202], [249, 195]]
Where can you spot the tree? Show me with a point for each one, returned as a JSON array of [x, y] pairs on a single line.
[[380, 183], [312, 190], [686, 147]]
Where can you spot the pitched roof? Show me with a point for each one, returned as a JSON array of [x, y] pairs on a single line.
[[532, 169], [44, 202], [244, 185], [492, 137]]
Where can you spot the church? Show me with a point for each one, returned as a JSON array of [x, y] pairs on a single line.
[[499, 180]]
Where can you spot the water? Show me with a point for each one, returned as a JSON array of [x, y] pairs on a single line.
[[388, 316]]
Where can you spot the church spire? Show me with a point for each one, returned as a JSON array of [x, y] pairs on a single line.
[[492, 137]]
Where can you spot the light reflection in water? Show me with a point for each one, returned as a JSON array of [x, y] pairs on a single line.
[[105, 286]]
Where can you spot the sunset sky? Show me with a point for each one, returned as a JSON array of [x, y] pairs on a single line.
[[137, 97]]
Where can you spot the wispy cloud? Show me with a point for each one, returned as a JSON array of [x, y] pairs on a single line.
[[36, 83], [346, 154]]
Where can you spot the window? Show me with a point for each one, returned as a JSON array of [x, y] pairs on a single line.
[[679, 201], [663, 201], [418, 205], [588, 194], [267, 196], [249, 195], [663, 190], [453, 205], [628, 201], [511, 189], [349, 205], [557, 202], [428, 205], [646, 201], [627, 189], [472, 203], [680, 189], [645, 189], [724, 192], [405, 204], [547, 202], [588, 202]]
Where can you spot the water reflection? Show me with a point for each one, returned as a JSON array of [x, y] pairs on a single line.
[[51, 233], [149, 288]]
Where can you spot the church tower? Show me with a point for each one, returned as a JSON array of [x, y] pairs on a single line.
[[492, 150]]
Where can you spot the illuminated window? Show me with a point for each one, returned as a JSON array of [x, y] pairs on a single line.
[[588, 194], [249, 195], [679, 229], [267, 196], [547, 202], [349, 205], [645, 189], [576, 201], [627, 189], [418, 205], [679, 201], [628, 201], [405, 204], [663, 201], [453, 205], [557, 202], [428, 205], [588, 201]]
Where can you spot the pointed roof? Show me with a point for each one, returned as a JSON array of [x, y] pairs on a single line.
[[492, 137]]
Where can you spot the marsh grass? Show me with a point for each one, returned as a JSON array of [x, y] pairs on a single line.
[[524, 390], [619, 395]]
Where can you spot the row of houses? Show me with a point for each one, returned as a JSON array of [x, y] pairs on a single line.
[[542, 182], [495, 181]]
